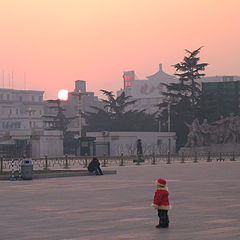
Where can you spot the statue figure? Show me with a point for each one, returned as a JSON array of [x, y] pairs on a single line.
[[205, 130], [223, 131], [237, 118], [219, 130], [194, 137], [231, 129]]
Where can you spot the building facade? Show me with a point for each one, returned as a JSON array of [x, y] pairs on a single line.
[[147, 93], [20, 110], [116, 143], [220, 99], [72, 104]]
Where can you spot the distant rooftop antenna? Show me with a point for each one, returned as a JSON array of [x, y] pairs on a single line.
[[9, 80], [24, 78], [3, 77], [12, 79]]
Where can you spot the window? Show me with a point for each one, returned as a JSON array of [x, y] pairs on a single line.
[[8, 97], [20, 99], [16, 110], [40, 98], [33, 98]]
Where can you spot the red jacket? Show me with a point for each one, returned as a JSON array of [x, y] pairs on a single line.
[[161, 200]]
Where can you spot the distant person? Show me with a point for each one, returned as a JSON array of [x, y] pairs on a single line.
[[94, 166], [139, 147], [161, 203]]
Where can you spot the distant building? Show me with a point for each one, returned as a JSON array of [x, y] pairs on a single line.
[[72, 105], [224, 78], [20, 110], [116, 143], [220, 98], [147, 93]]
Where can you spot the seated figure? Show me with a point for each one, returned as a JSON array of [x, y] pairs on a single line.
[[94, 166]]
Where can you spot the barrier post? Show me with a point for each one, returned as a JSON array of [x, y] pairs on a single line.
[[121, 160], [182, 157], [1, 165], [66, 162], [86, 163], [46, 163], [220, 157], [209, 157], [154, 159], [168, 158], [19, 169], [104, 160], [195, 157], [13, 171]]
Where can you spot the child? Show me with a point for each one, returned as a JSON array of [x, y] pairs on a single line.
[[161, 203]]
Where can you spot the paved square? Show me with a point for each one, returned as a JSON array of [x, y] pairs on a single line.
[[205, 199]]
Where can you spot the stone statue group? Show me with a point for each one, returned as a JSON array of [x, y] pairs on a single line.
[[223, 131]]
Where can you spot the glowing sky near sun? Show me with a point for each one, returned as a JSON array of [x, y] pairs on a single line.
[[56, 42]]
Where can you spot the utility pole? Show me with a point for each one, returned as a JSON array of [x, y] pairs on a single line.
[[30, 111], [169, 123], [80, 94]]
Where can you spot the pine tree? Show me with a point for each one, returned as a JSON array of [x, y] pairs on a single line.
[[184, 96], [188, 73]]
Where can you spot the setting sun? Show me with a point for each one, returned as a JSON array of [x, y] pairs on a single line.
[[63, 94]]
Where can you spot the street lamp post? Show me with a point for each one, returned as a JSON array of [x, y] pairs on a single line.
[[80, 94], [169, 123], [159, 124], [30, 111]]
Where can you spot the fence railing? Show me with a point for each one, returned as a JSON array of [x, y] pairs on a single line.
[[75, 162]]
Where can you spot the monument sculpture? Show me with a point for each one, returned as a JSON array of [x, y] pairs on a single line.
[[223, 134]]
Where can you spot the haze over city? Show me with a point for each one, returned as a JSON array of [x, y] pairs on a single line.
[[57, 42]]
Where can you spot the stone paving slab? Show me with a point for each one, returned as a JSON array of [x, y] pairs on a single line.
[[204, 198]]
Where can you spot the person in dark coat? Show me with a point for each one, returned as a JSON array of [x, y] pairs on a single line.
[[161, 203], [94, 166]]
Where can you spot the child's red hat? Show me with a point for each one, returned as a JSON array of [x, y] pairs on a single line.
[[161, 182]]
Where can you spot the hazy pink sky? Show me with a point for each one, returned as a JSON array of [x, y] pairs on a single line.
[[59, 41]]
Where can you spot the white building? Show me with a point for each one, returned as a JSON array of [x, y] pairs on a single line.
[[22, 125], [87, 101], [147, 93], [20, 110]]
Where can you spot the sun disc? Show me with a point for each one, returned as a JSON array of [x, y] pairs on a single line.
[[63, 94]]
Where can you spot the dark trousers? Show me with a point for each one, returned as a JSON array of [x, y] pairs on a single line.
[[163, 218], [98, 171]]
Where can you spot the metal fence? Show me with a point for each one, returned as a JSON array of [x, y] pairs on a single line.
[[73, 162]]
